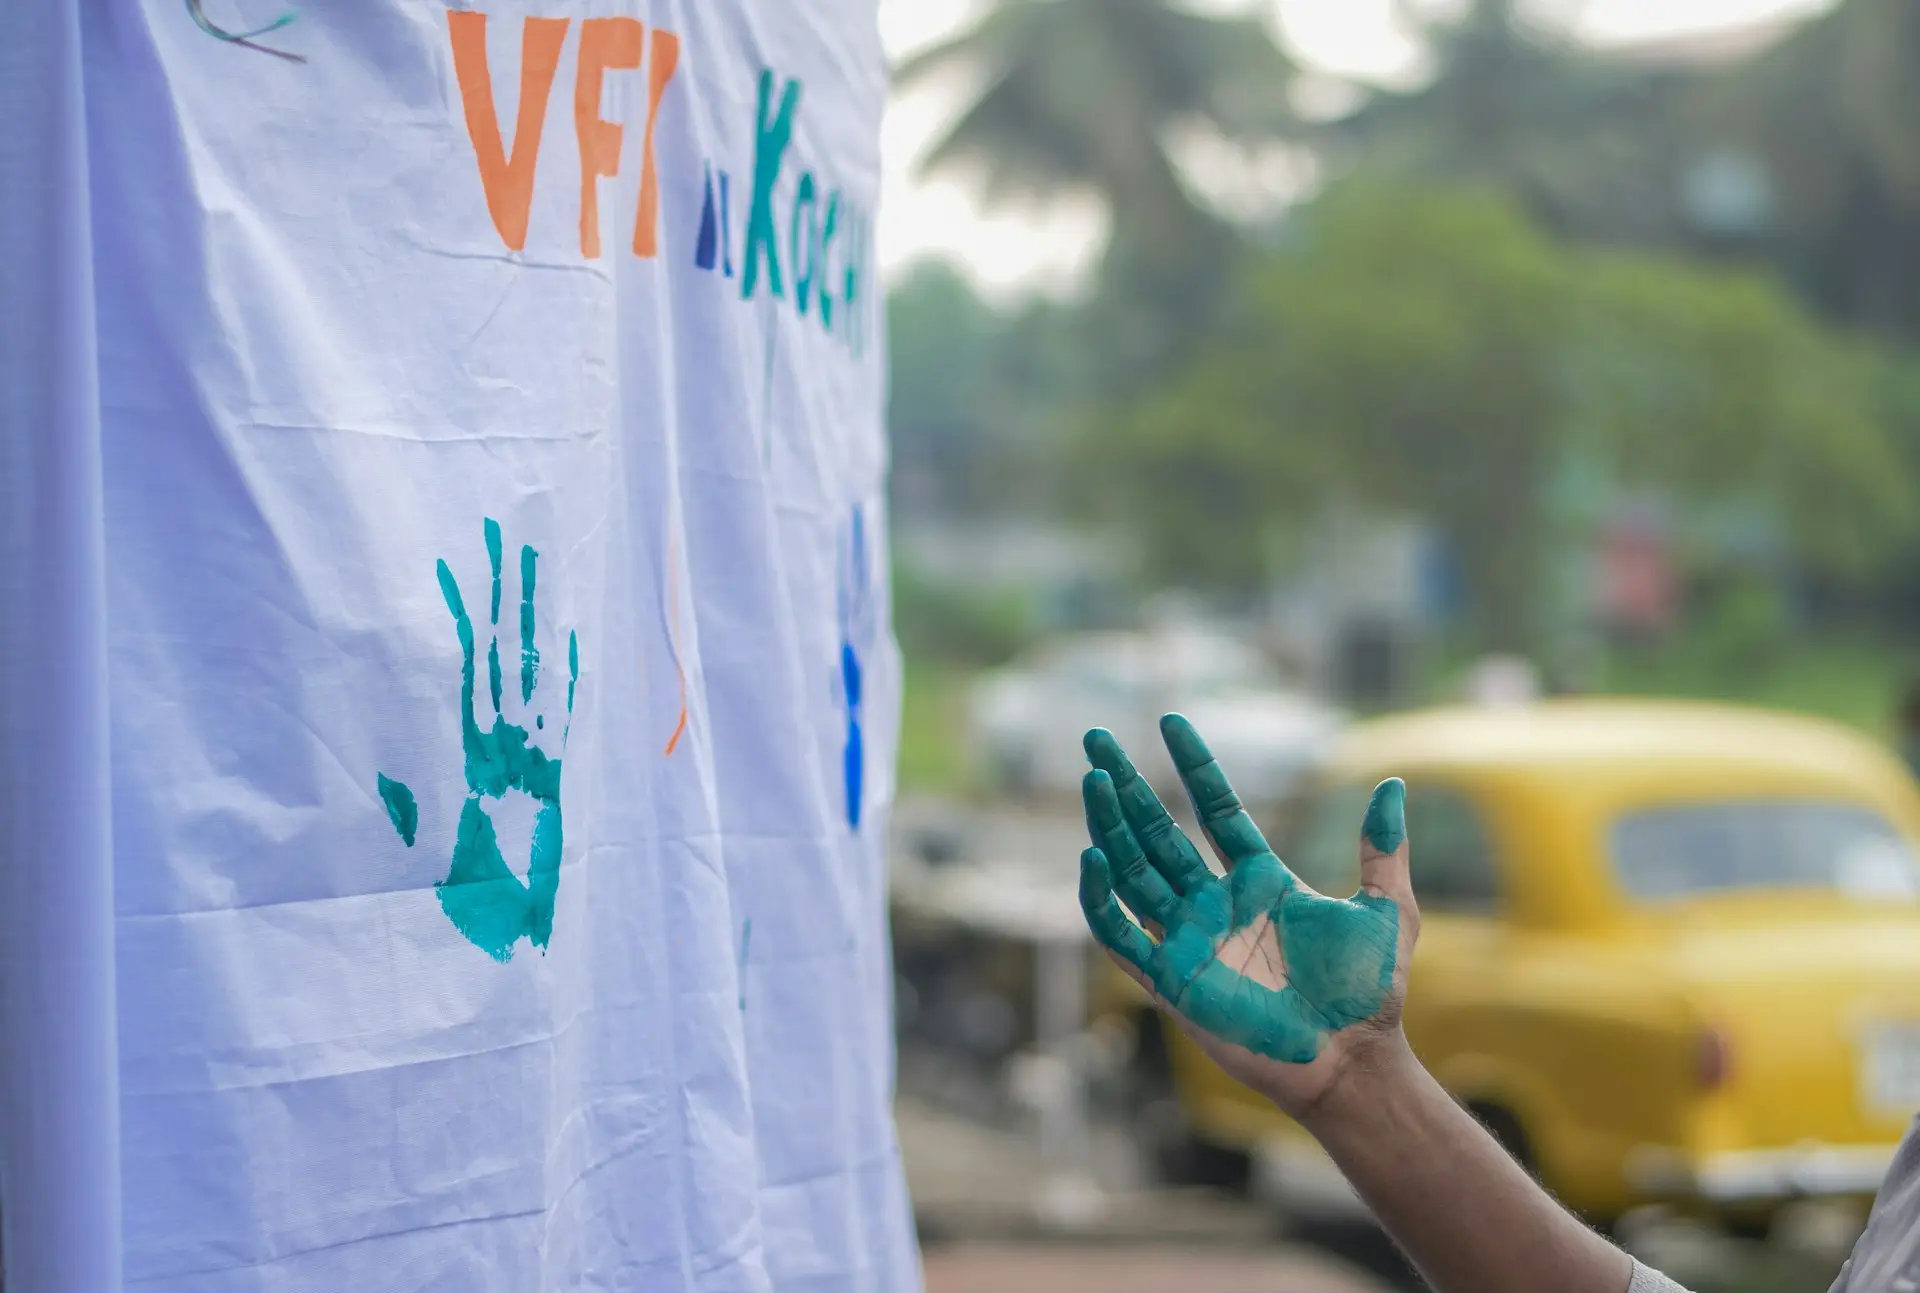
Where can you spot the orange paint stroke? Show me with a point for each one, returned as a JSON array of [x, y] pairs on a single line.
[[506, 180], [605, 44], [646, 223], [673, 637]]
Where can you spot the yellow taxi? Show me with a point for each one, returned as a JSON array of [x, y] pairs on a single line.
[[1670, 952]]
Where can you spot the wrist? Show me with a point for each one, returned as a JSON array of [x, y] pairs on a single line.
[[1375, 1077]]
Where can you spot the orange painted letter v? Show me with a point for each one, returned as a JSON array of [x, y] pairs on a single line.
[[508, 181]]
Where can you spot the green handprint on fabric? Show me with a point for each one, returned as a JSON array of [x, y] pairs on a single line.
[[1336, 955], [490, 906]]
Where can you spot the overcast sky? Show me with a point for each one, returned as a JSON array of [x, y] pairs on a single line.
[[1013, 251]]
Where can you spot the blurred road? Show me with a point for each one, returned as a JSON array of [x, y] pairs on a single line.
[[1118, 1268], [993, 1219]]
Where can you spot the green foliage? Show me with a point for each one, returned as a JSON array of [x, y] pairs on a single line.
[[1080, 96], [976, 394], [941, 338], [959, 625], [1717, 382], [943, 345], [1427, 349], [1828, 112], [932, 709], [1518, 103], [1851, 680]]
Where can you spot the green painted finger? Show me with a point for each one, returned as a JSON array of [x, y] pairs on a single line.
[[457, 606], [529, 653], [1214, 801], [1110, 924], [1385, 825], [1167, 846], [1140, 886], [491, 528], [472, 743]]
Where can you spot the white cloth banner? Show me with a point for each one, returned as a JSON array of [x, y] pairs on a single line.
[[502, 701]]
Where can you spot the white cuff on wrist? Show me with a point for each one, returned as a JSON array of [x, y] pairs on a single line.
[[1648, 1280]]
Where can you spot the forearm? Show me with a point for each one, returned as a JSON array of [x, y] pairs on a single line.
[[1470, 1218]]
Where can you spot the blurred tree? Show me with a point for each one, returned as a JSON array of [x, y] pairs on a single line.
[[1828, 114], [1430, 350], [942, 346], [1085, 95], [1583, 141], [975, 393]]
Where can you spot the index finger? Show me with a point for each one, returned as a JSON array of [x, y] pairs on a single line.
[[1214, 801]]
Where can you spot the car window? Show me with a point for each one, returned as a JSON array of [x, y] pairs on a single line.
[[1324, 846], [1686, 849], [1452, 856]]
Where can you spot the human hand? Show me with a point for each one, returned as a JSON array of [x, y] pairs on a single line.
[[1283, 987], [490, 905]]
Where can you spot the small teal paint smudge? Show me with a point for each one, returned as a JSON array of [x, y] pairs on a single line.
[[529, 653], [540, 721], [1385, 825], [573, 668], [247, 39], [402, 811]]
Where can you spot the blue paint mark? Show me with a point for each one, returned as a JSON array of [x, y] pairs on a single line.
[[855, 763], [856, 628], [726, 230], [705, 247]]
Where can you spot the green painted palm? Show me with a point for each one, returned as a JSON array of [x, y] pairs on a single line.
[[1281, 986], [1082, 96]]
